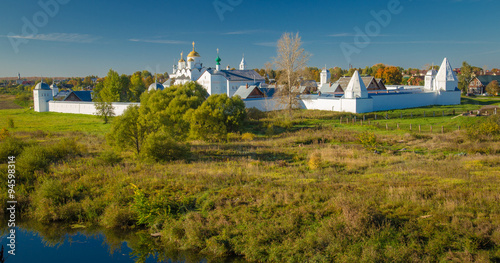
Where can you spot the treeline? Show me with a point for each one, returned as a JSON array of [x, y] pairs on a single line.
[[391, 75], [126, 88]]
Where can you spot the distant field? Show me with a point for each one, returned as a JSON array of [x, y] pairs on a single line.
[[7, 102]]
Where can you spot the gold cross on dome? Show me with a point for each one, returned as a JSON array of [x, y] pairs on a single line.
[[193, 45]]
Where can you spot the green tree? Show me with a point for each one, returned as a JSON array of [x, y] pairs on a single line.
[[127, 130], [335, 73], [125, 88], [465, 77], [104, 110], [112, 87], [493, 88], [166, 109], [216, 117], [136, 87]]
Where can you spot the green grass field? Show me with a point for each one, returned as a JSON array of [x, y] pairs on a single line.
[[307, 190]]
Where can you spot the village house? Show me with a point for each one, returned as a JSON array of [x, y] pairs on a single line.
[[478, 85]]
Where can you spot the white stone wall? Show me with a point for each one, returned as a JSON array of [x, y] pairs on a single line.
[[380, 102], [85, 107]]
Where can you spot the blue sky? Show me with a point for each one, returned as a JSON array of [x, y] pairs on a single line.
[[80, 38]]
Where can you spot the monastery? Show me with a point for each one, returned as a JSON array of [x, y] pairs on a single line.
[[355, 94]]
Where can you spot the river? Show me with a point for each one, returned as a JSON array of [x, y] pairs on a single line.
[[53, 243]]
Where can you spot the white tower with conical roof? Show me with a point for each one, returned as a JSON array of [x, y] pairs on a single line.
[[356, 88], [324, 76], [243, 64], [446, 80]]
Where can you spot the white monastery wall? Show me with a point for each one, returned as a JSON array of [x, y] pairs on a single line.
[[85, 107]]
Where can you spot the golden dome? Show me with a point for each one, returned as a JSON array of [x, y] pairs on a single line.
[[191, 60], [193, 53], [182, 60]]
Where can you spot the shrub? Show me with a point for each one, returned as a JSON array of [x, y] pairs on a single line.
[[255, 114], [116, 216], [62, 149], [10, 123], [11, 146], [270, 130], [248, 136], [33, 158], [217, 116], [109, 158], [161, 147], [315, 161], [4, 133], [368, 140], [486, 128], [233, 137]]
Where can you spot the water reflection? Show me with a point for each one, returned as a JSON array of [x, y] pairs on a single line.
[[37, 242]]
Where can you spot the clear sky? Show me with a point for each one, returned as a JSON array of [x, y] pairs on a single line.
[[88, 37]]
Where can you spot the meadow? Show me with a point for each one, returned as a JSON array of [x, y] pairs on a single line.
[[310, 189]]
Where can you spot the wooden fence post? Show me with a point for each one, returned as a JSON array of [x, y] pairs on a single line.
[[431, 128], [387, 126], [442, 129], [419, 128], [340, 119], [397, 126], [410, 126]]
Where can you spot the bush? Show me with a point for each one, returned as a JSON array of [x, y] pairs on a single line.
[[63, 149], [11, 147], [161, 147], [116, 216], [216, 117], [38, 158], [248, 136], [4, 133], [109, 158], [315, 161], [486, 128], [33, 158], [233, 137], [255, 114], [10, 123], [368, 140]]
